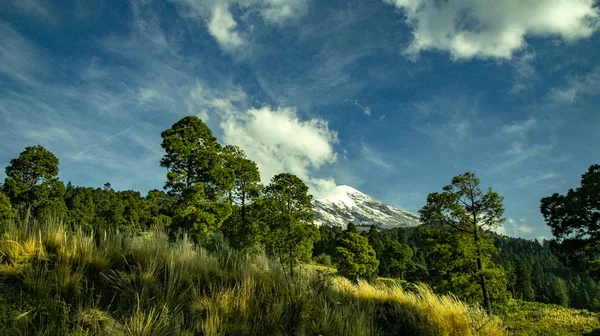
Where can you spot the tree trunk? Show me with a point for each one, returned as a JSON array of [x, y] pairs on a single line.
[[482, 281]]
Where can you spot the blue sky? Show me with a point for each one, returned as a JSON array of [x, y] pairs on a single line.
[[392, 97]]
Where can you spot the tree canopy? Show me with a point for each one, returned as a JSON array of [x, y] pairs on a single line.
[[32, 181], [574, 219], [197, 175], [465, 210]]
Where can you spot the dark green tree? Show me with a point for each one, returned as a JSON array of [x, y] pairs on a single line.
[[159, 208], [197, 176], [242, 230], [351, 228], [575, 222], [462, 208], [6, 209], [286, 211], [32, 182], [328, 240], [81, 206], [396, 259], [355, 257]]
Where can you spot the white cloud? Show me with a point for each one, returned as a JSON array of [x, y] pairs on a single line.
[[528, 180], [450, 121], [525, 73], [577, 86], [498, 29], [511, 228], [223, 28], [279, 141], [520, 129], [20, 59], [373, 157], [518, 153], [41, 9], [366, 109]]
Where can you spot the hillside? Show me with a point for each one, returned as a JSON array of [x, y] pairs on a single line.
[[350, 205], [54, 282]]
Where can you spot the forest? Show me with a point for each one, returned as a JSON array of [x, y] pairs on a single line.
[[215, 212]]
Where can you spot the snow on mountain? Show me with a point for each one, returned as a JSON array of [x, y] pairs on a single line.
[[347, 204]]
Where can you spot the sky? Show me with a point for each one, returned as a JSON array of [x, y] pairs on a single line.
[[391, 97]]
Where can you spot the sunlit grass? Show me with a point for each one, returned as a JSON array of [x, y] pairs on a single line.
[[57, 282]]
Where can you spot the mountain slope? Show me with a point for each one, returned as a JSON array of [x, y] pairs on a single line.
[[350, 205]]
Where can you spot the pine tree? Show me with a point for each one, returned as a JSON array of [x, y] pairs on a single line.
[[197, 176], [465, 210], [32, 182]]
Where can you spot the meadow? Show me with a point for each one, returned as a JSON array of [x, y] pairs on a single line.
[[56, 281]]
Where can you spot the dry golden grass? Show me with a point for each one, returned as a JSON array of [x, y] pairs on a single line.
[[73, 283]]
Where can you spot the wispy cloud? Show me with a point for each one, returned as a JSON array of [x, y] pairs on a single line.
[[519, 129], [577, 87], [374, 157], [222, 25], [529, 180], [525, 73], [449, 121], [518, 153], [37, 8], [366, 109]]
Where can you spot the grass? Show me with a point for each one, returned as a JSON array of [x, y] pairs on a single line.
[[532, 318], [55, 282]]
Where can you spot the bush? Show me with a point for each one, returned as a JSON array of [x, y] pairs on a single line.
[[323, 259]]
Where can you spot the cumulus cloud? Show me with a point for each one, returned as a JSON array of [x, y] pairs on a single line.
[[279, 141], [223, 28], [491, 28], [222, 25]]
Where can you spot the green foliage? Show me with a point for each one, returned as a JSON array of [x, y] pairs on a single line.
[[32, 182], [287, 215], [452, 265], [575, 222], [197, 176], [396, 258], [241, 228], [463, 211], [355, 257], [6, 209], [323, 259], [328, 240]]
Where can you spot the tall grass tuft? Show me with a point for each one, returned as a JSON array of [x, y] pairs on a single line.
[[55, 281]]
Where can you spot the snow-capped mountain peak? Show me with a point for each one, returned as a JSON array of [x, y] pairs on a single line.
[[341, 195], [346, 204]]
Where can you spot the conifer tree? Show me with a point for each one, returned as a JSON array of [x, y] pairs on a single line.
[[32, 182], [465, 210], [196, 175]]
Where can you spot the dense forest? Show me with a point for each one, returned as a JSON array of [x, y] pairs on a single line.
[[213, 190]]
